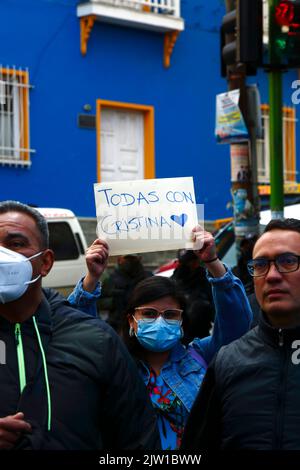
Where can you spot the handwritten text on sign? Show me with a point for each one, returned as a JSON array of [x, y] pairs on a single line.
[[146, 215]]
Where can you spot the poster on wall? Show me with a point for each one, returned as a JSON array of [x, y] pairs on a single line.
[[239, 160], [230, 124], [146, 215]]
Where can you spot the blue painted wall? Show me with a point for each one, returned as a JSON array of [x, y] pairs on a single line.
[[122, 64]]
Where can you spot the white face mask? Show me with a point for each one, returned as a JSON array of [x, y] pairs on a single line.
[[15, 274]]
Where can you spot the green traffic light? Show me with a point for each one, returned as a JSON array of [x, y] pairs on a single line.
[[281, 44]]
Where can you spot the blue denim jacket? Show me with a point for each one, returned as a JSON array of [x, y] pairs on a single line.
[[182, 372], [83, 300]]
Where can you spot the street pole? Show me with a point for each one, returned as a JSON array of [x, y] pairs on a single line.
[[253, 129], [275, 123], [245, 200]]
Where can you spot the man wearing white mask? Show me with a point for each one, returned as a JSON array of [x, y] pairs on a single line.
[[68, 382]]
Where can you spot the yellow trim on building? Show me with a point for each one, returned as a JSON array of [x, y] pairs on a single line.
[[25, 100], [170, 39], [86, 26], [18, 73], [149, 148], [289, 141], [218, 223], [289, 188]]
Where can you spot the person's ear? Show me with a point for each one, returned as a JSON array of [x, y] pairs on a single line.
[[47, 262], [130, 320], [132, 325]]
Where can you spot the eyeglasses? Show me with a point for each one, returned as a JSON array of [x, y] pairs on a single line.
[[285, 263], [150, 314]]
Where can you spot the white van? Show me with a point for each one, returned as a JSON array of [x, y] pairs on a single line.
[[290, 212], [68, 242]]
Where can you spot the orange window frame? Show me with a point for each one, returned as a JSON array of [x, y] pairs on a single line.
[[149, 149], [24, 80]]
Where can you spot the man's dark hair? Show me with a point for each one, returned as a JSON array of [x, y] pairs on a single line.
[[286, 224], [15, 206]]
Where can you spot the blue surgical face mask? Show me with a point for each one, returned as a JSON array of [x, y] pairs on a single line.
[[158, 335]]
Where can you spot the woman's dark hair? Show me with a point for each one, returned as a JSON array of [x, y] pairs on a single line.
[[146, 291]]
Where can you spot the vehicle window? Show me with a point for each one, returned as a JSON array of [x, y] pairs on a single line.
[[230, 257], [224, 239], [62, 241], [227, 247]]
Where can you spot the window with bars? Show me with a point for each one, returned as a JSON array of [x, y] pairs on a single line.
[[14, 117], [289, 146]]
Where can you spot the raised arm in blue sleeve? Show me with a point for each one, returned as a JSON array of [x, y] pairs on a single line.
[[83, 300], [233, 314]]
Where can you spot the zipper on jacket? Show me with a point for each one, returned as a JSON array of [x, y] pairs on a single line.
[[281, 392], [20, 354], [280, 333]]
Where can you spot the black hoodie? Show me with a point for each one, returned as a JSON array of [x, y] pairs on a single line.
[[97, 399]]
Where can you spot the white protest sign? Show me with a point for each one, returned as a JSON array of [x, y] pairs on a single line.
[[146, 215]]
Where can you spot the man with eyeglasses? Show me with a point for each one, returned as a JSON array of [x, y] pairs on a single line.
[[250, 397]]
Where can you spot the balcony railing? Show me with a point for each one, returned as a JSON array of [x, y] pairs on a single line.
[[159, 7], [162, 16]]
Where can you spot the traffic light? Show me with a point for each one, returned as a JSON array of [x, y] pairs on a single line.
[[284, 34], [241, 36]]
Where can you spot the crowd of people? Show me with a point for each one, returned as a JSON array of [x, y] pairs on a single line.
[[180, 363]]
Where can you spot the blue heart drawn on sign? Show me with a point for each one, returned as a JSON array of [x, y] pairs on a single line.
[[179, 219]]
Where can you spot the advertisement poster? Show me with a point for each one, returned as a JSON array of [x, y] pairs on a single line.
[[230, 124]]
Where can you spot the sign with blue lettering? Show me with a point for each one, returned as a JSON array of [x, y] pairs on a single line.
[[146, 215]]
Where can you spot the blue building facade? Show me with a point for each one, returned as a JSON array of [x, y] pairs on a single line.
[[123, 65]]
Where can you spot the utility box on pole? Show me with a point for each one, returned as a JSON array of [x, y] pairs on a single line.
[[244, 24]]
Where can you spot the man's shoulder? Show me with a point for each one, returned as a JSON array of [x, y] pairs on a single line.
[[238, 350], [64, 315], [84, 340]]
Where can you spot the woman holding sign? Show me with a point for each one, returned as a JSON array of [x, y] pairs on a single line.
[[153, 330]]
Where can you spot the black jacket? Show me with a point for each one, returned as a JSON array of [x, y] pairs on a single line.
[[98, 400], [250, 397]]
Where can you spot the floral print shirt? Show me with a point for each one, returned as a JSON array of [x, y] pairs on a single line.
[[170, 412]]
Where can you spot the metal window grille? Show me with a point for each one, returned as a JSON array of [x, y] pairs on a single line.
[[289, 146], [14, 117]]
